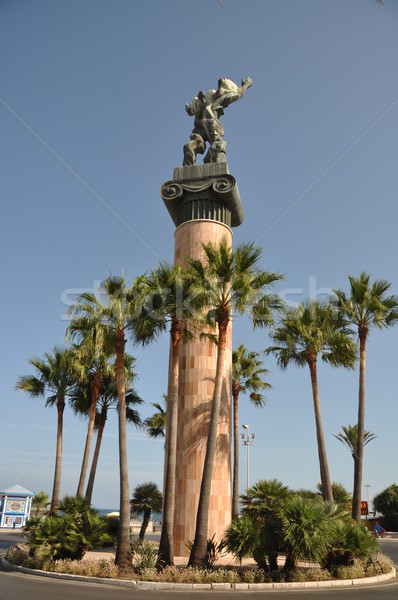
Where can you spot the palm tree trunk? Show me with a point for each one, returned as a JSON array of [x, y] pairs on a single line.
[[358, 458], [58, 458], [198, 553], [290, 562], [90, 484], [323, 461], [166, 544], [235, 484], [123, 557], [144, 525], [90, 428]]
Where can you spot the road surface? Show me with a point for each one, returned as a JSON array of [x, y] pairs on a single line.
[[31, 587]]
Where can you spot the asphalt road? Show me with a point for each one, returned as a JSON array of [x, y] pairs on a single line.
[[31, 587]]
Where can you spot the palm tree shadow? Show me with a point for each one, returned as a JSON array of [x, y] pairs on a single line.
[[199, 426]]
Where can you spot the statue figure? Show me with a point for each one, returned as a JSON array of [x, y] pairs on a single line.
[[207, 110]]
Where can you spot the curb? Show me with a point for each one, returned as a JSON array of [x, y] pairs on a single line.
[[157, 585]]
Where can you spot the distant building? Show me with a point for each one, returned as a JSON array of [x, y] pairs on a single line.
[[15, 506]]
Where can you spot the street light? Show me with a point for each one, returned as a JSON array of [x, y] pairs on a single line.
[[248, 440], [367, 485]]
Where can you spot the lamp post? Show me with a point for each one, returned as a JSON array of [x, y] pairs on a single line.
[[248, 440], [367, 485]]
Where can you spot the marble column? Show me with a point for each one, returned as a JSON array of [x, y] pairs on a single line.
[[204, 203]]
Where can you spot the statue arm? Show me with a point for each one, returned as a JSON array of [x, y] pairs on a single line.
[[189, 109], [225, 97], [245, 85]]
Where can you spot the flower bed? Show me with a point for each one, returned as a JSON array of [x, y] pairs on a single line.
[[105, 568]]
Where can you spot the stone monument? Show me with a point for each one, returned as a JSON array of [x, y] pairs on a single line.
[[204, 203]]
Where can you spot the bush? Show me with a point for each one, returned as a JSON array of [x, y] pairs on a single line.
[[254, 576], [214, 550], [354, 571], [307, 527], [144, 556], [299, 575], [350, 541], [112, 529], [102, 568], [149, 574], [68, 536], [243, 536], [18, 555]]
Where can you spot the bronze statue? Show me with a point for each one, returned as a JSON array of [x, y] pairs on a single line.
[[207, 110]]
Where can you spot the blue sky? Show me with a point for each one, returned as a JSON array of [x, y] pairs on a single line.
[[93, 122]]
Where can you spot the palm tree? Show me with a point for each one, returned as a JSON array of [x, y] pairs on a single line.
[[56, 379], [114, 314], [165, 292], [107, 399], [247, 376], [349, 437], [366, 306], [93, 352], [147, 498], [340, 495], [226, 281], [40, 500], [155, 425], [307, 529], [262, 503], [304, 333]]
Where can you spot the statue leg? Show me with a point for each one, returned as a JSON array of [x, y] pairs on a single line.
[[217, 153], [196, 146]]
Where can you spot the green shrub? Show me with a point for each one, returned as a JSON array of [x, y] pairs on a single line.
[[221, 576], [254, 576], [214, 550], [301, 575], [144, 555], [307, 527], [384, 562], [112, 528], [75, 506], [149, 574], [354, 571], [350, 541], [18, 555], [68, 536], [249, 536]]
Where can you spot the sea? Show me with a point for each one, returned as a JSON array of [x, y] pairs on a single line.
[[105, 511]]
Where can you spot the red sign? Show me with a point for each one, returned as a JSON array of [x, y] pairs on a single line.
[[364, 507]]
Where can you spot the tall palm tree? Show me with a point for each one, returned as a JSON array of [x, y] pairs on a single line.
[[349, 437], [226, 281], [93, 352], [155, 425], [55, 378], [340, 495], [305, 332], [107, 399], [132, 417], [114, 313], [147, 498], [366, 306], [166, 293], [247, 376]]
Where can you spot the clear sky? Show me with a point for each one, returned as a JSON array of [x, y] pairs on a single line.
[[92, 123]]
